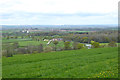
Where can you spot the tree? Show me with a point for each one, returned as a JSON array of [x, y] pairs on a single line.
[[95, 44], [67, 45], [92, 42], [55, 43], [85, 39], [75, 45], [80, 46]]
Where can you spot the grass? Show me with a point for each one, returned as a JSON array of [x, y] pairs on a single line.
[[108, 43], [26, 42], [0, 67], [85, 63], [14, 40]]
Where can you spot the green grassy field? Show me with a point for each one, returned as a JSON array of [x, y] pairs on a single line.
[[27, 42], [108, 43], [0, 67], [85, 63], [14, 40]]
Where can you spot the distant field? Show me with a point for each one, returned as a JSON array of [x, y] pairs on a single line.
[[26, 42], [14, 40], [108, 43], [85, 63], [0, 67], [8, 31]]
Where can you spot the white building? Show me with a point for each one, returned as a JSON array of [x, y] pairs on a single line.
[[27, 31], [88, 46]]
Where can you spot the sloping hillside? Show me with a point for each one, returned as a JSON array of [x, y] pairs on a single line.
[[85, 63]]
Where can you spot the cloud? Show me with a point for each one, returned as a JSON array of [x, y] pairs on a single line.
[[58, 11], [31, 14]]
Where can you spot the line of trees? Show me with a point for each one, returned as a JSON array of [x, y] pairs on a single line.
[[101, 37], [13, 49]]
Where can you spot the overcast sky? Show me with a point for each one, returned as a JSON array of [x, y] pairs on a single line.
[[57, 12]]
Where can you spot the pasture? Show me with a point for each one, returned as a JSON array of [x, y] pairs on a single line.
[[27, 42], [84, 63]]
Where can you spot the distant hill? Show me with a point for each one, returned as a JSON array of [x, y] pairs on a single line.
[[56, 26]]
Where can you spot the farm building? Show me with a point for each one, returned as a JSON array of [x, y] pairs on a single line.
[[25, 31], [88, 46], [46, 40], [57, 39]]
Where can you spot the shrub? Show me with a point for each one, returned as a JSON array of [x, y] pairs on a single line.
[[60, 49], [102, 46], [48, 49], [112, 44], [31, 49], [7, 53], [22, 50], [34, 52]]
